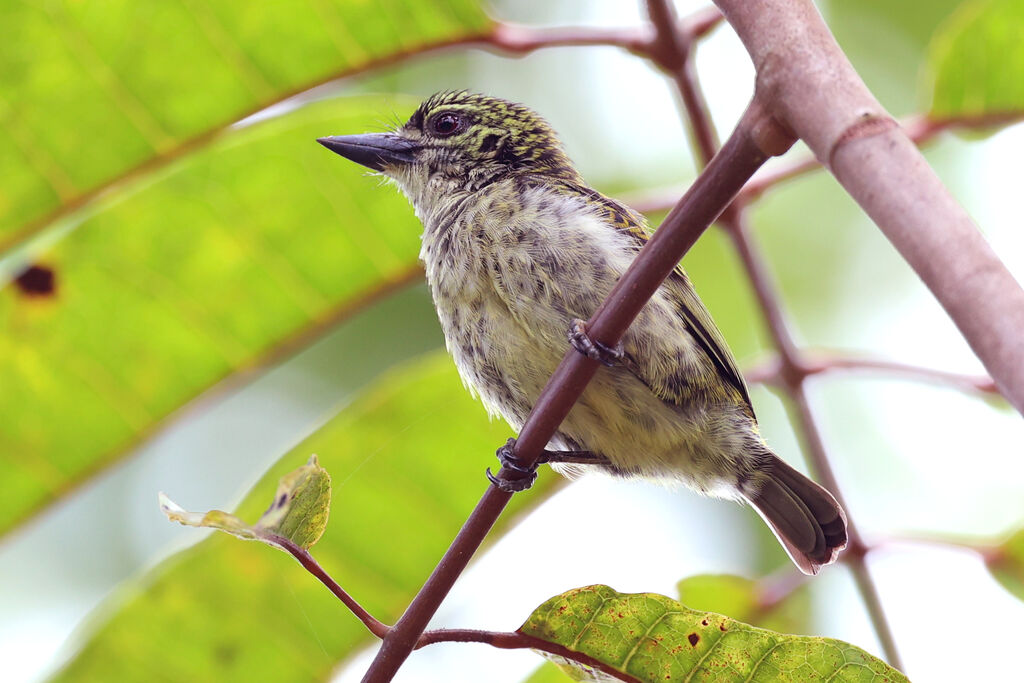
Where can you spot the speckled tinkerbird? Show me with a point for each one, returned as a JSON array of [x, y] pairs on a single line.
[[518, 252]]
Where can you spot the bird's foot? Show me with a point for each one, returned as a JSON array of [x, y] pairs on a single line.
[[595, 350], [509, 461]]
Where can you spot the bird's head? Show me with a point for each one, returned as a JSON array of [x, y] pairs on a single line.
[[458, 142]]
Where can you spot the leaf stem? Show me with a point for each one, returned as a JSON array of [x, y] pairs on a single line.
[[376, 627]]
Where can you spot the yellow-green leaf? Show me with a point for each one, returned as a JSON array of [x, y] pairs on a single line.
[[649, 637], [298, 511], [977, 61], [95, 91], [774, 604], [225, 262], [407, 462]]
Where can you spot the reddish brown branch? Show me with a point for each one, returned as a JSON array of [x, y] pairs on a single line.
[[517, 641], [377, 628]]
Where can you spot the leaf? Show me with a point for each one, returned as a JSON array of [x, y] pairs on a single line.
[[1006, 562], [549, 672], [407, 461], [234, 256], [649, 637], [777, 605], [298, 512], [977, 61], [93, 92]]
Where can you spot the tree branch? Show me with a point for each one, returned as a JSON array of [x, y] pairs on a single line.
[[816, 92], [376, 627]]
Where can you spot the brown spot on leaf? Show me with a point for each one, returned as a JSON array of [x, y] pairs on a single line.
[[703, 622], [693, 638], [721, 627], [37, 281]]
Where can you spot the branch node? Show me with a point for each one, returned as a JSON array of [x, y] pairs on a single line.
[[868, 125]]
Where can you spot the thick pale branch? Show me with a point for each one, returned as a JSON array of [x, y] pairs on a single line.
[[816, 92]]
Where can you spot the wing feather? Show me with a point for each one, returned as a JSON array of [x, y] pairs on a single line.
[[691, 309]]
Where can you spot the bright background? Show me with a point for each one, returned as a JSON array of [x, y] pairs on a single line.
[[913, 459]]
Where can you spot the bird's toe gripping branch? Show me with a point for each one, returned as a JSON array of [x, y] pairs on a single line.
[[595, 350], [507, 457]]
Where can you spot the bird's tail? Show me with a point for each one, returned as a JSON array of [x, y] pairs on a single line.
[[805, 517]]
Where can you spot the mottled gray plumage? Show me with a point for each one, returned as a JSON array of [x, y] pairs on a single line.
[[516, 247]]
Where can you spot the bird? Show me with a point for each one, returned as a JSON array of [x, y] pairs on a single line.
[[518, 251]]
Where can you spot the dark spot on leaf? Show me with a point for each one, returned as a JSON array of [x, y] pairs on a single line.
[[282, 499], [226, 652], [693, 638], [721, 627], [703, 622], [37, 281]]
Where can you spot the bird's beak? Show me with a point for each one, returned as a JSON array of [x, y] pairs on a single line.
[[373, 150]]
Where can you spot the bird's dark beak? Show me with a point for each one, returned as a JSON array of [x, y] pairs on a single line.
[[373, 150]]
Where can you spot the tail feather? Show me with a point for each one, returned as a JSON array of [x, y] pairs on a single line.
[[805, 517]]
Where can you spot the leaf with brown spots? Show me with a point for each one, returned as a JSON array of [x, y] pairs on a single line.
[[649, 637]]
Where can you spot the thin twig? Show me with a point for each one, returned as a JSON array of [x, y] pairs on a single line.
[[376, 627], [769, 371], [790, 364]]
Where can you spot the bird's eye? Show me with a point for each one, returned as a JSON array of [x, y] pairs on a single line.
[[446, 124]]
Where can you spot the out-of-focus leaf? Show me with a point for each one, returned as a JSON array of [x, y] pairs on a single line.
[[649, 637], [226, 261], [92, 91], [549, 672], [977, 61], [297, 513], [753, 602], [407, 461], [1006, 562]]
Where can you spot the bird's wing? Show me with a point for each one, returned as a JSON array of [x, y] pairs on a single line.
[[698, 321]]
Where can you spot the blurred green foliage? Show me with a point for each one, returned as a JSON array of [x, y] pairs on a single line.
[[189, 246]]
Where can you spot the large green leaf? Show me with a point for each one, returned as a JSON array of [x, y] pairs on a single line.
[[977, 61], [92, 91], [407, 463], [227, 260], [649, 637]]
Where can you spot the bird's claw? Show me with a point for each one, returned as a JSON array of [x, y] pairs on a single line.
[[594, 350], [507, 458]]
